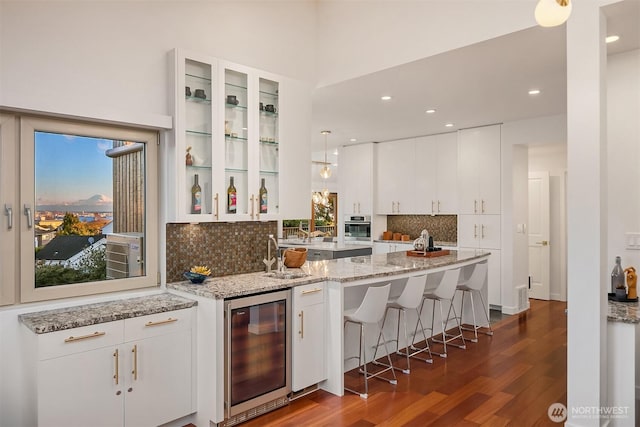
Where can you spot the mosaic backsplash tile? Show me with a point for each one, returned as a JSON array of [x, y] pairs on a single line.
[[443, 228], [225, 247]]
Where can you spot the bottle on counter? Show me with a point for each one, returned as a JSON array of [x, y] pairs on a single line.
[[617, 276], [263, 198], [196, 196], [231, 198]]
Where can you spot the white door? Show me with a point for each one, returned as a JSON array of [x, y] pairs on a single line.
[[539, 235]]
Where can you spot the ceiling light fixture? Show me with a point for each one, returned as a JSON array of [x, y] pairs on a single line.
[[551, 13], [385, 98], [534, 92], [612, 38], [353, 140], [325, 172], [430, 111], [449, 125]]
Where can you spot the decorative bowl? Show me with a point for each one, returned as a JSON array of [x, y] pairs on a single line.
[[194, 277], [295, 257]]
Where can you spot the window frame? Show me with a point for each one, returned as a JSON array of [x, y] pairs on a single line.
[[24, 156]]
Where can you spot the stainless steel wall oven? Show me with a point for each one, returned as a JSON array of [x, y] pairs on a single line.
[[257, 355], [357, 226]]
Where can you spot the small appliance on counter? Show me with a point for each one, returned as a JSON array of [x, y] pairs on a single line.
[[423, 247]]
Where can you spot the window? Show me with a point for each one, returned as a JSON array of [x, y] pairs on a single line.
[[85, 210]]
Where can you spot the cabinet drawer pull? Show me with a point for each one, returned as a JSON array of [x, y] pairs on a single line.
[[432, 206], [311, 291], [84, 337], [161, 322]]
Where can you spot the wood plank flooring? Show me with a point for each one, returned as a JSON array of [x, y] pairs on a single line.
[[508, 379]]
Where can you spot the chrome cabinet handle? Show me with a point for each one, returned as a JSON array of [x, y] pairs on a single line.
[[475, 231], [216, 200], [482, 205], [27, 212], [482, 231], [475, 206], [8, 211], [358, 207], [252, 197]]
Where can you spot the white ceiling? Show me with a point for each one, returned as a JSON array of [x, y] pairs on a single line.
[[484, 83]]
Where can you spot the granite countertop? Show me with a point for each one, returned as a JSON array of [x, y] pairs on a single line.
[[324, 246], [625, 312], [91, 314], [343, 270]]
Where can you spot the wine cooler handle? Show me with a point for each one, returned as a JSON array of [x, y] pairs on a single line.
[[8, 211], [301, 316], [27, 212]]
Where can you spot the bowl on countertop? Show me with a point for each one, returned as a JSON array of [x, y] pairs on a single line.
[[195, 278]]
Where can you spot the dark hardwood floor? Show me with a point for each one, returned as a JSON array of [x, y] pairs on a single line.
[[509, 379]]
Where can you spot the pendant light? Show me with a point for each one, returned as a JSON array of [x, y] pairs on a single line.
[[325, 172], [551, 13]]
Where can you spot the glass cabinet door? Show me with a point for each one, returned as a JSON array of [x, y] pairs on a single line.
[[198, 131], [269, 149], [236, 149]]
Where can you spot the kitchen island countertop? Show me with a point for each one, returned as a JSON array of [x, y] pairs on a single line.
[[342, 270]]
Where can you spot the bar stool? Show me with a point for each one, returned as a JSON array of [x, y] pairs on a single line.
[[370, 311], [444, 292], [409, 299], [474, 284]]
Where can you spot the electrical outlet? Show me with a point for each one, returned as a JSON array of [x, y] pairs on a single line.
[[632, 240]]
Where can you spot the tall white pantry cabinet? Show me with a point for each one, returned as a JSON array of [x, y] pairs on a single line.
[[479, 202]]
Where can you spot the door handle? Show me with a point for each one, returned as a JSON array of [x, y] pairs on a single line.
[[543, 243]]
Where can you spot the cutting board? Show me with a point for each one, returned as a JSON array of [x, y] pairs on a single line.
[[428, 254]]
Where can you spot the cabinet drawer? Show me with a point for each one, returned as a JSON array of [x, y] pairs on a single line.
[[308, 294], [157, 324], [77, 340]]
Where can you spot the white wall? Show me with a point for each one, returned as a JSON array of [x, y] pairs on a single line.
[[553, 159], [360, 37], [623, 152], [105, 57]]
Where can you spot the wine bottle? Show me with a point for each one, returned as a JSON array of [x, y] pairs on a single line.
[[196, 196], [263, 198], [617, 276], [231, 198]]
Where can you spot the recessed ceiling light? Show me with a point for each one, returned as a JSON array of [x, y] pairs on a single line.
[[385, 98], [353, 140], [449, 125], [534, 92], [430, 111], [612, 38]]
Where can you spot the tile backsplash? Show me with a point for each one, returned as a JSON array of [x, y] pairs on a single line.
[[443, 228], [225, 247]]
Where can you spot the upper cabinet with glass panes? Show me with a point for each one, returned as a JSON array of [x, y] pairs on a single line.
[[225, 163]]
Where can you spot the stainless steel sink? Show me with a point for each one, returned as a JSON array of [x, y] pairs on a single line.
[[286, 274]]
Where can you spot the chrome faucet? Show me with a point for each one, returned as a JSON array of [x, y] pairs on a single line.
[[270, 260]]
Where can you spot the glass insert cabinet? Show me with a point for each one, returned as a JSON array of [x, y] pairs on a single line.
[[225, 159]]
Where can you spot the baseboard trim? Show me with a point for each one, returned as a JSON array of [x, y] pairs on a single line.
[[514, 309]]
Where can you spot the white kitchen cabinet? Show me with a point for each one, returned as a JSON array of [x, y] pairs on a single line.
[[417, 176], [356, 179], [227, 126], [131, 372], [395, 177], [479, 170], [309, 336], [387, 247], [479, 231]]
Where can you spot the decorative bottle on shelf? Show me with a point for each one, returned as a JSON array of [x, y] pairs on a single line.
[[617, 276], [231, 198], [263, 198], [196, 196]]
